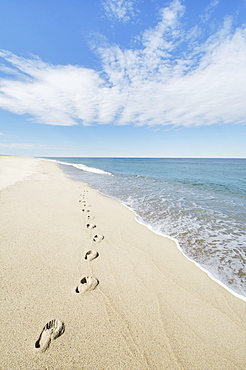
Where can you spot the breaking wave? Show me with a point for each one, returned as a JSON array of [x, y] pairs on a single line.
[[83, 167]]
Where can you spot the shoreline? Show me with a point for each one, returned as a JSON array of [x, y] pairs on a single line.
[[196, 263], [141, 222], [150, 308]]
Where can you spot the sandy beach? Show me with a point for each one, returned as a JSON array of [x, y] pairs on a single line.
[[85, 286]]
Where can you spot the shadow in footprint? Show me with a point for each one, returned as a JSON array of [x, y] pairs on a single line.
[[87, 283], [91, 255], [85, 210], [52, 330], [91, 226], [97, 238]]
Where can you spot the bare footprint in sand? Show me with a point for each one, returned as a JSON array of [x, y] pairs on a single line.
[[97, 238], [91, 226], [91, 255], [52, 330], [86, 284]]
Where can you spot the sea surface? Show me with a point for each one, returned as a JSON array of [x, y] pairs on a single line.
[[199, 202]]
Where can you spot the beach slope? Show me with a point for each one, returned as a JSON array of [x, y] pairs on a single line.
[[85, 286]]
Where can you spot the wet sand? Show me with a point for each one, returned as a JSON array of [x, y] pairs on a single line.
[[84, 286]]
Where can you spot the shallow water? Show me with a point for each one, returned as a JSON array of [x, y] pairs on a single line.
[[199, 202]]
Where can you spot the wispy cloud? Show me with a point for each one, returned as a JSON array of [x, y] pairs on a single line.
[[120, 10], [170, 79], [26, 146], [209, 10]]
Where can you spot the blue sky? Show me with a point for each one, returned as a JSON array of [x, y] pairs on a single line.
[[122, 78]]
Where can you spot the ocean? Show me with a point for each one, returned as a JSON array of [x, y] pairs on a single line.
[[201, 203]]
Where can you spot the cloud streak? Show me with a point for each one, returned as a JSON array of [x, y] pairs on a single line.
[[209, 10], [169, 79], [26, 146]]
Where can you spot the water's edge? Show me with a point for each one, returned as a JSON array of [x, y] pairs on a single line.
[[140, 221]]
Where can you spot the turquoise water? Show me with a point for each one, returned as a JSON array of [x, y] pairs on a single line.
[[199, 202]]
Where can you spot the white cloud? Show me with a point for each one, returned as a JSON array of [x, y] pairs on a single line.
[[156, 84], [120, 10], [56, 95]]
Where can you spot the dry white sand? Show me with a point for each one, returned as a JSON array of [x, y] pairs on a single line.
[[142, 305]]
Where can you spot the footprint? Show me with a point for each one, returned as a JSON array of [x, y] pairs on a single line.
[[85, 210], [86, 284], [98, 238], [90, 217], [91, 255], [52, 330], [91, 226]]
